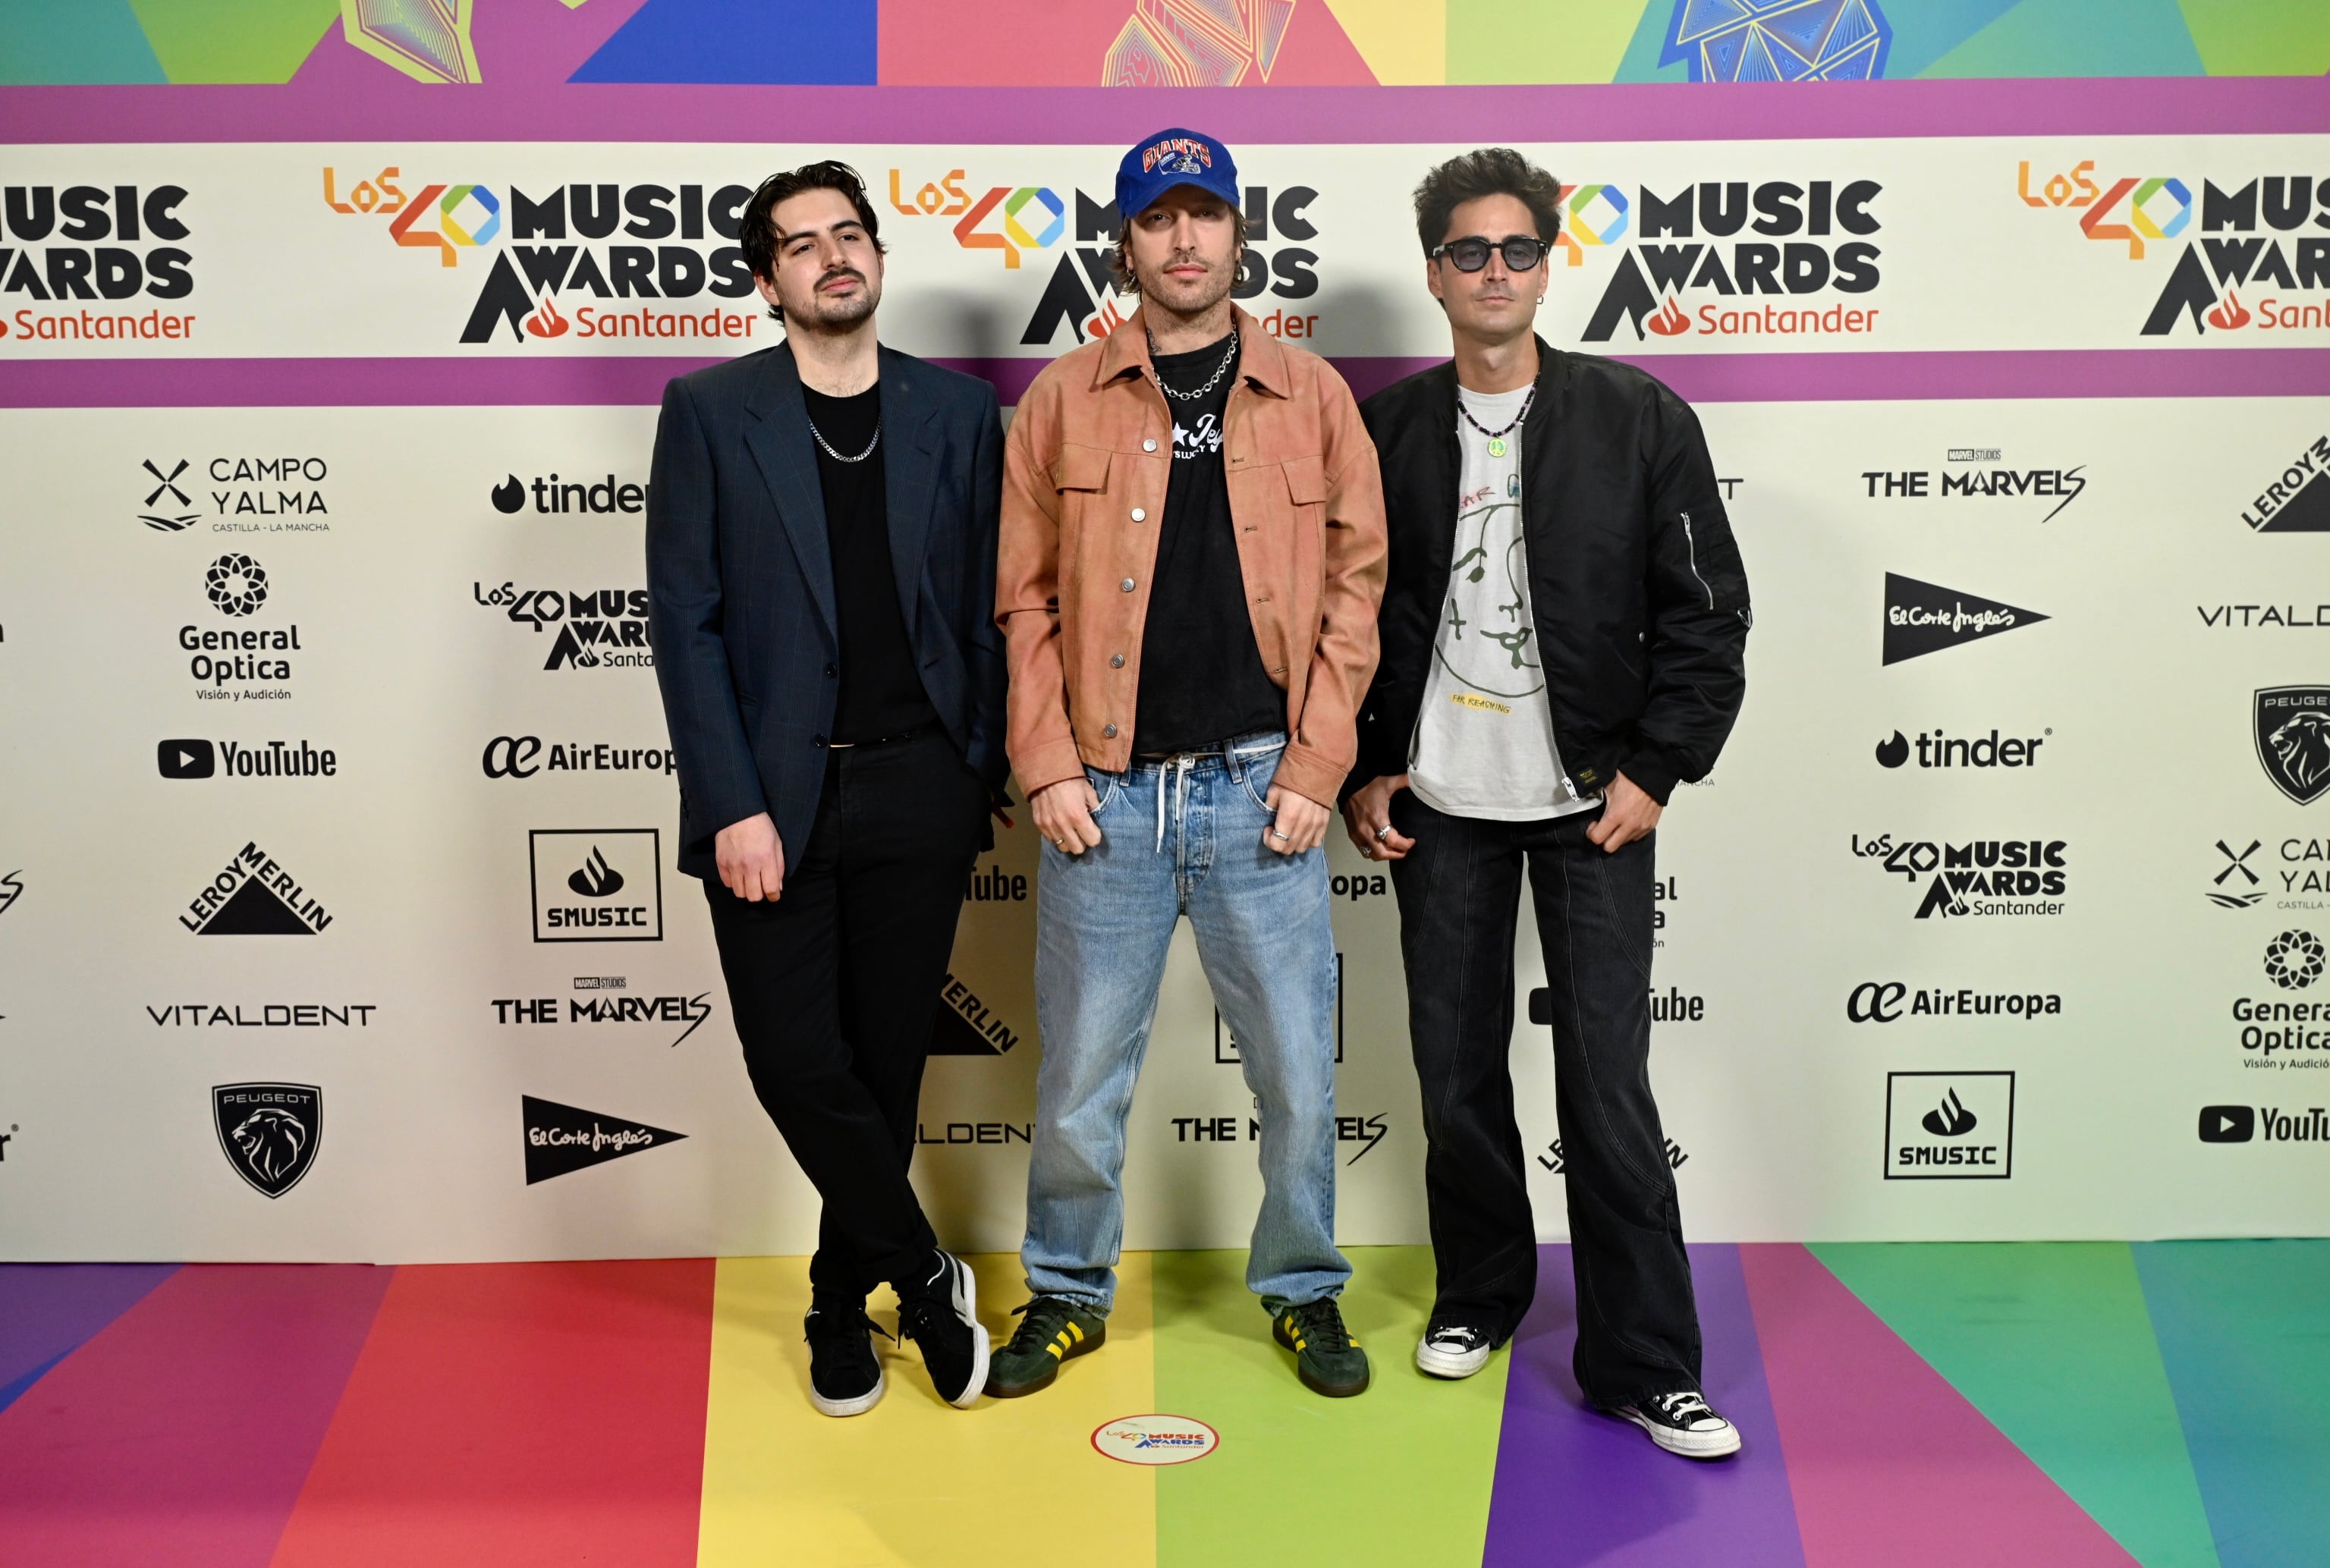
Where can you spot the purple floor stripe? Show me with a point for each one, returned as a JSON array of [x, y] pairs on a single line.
[[1575, 1488], [49, 1310]]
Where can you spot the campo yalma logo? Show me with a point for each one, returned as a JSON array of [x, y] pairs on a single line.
[[168, 522], [270, 1131]]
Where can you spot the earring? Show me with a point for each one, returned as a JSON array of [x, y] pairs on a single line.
[[1541, 299]]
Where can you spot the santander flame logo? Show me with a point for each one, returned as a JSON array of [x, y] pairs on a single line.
[[1670, 320], [2230, 314], [547, 321]]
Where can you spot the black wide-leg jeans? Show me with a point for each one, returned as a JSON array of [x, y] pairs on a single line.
[[836, 988], [1459, 892]]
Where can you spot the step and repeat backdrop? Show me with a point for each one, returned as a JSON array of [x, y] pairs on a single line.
[[338, 915]]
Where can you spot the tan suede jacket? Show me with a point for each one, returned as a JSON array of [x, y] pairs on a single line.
[[1084, 469]]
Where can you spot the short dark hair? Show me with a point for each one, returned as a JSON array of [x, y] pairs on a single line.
[[1485, 171], [1120, 261], [758, 234]]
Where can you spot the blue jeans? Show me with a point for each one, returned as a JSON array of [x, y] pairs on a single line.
[[1183, 836]]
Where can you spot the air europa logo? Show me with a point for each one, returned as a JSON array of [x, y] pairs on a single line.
[[521, 288], [1812, 241]]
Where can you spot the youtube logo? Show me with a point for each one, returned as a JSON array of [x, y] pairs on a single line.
[[2228, 1123], [187, 759]]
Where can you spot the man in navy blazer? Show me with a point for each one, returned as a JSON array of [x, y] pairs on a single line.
[[822, 535]]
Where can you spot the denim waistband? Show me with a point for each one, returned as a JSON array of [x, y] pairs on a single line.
[[1221, 755]]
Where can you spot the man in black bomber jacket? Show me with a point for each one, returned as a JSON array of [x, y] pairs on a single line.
[[1563, 632]]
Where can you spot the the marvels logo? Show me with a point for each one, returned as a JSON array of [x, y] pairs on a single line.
[[521, 288], [12, 888], [54, 248], [254, 897], [521, 757], [559, 497], [269, 1132], [563, 1138], [1367, 1131], [597, 628], [248, 494], [1080, 294], [195, 759], [1891, 1001], [1805, 251], [1987, 876], [2297, 499], [1923, 618], [237, 587], [2063, 486], [2291, 725], [603, 1009], [1936, 750], [597, 884], [1949, 1126]]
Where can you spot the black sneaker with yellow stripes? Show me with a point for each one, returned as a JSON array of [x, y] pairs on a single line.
[[1326, 1357], [1052, 1330]]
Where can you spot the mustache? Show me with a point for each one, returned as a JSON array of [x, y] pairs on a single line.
[[834, 272]]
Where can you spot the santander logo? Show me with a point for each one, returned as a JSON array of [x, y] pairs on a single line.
[[2229, 313], [1670, 320], [547, 321]]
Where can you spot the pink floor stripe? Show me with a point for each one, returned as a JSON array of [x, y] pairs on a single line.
[[1888, 1464], [178, 1438]]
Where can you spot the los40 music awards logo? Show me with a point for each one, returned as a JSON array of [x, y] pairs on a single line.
[[1731, 259], [2257, 232], [1016, 221], [654, 251], [64, 249]]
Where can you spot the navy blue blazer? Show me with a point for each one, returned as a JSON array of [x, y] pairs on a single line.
[[740, 582]]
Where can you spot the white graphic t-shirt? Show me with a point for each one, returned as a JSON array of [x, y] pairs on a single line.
[[1484, 744]]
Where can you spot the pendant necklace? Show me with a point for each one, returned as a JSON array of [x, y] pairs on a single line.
[[1497, 447]]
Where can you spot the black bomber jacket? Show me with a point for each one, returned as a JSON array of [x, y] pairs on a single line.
[[1635, 583]]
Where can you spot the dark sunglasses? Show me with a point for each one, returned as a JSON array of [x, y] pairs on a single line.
[[1522, 253]]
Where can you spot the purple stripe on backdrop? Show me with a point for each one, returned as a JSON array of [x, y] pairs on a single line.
[[207, 1401], [563, 382], [1575, 1487], [379, 104], [47, 1311]]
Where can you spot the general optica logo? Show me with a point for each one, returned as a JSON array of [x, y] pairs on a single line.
[[1155, 1439]]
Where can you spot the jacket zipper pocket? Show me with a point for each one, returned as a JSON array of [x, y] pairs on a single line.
[[1690, 547]]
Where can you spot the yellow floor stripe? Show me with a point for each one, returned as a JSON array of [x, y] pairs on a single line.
[[914, 1483]]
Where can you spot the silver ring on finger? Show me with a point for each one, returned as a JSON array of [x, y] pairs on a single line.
[[1383, 833]]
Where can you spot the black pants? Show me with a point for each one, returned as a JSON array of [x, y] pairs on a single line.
[[1458, 897], [836, 987]]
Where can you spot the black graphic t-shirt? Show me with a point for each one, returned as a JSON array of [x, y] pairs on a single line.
[[881, 690], [1202, 679]]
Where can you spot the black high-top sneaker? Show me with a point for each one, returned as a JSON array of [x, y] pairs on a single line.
[[845, 1376], [939, 1314]]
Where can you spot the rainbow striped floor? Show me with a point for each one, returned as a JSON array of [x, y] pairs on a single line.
[[2094, 1404]]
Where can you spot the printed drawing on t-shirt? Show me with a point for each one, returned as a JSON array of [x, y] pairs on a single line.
[[1490, 645], [1201, 440]]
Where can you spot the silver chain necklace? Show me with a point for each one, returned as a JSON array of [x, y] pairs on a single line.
[[1497, 448], [844, 456], [1229, 358]]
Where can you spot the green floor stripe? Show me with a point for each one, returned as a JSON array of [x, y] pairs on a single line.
[[2053, 1344], [1400, 1473], [2245, 1329]]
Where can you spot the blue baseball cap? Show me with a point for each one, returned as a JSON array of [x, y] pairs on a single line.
[[1173, 157]]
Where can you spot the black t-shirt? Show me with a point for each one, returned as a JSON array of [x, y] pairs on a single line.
[[1202, 679], [881, 690]]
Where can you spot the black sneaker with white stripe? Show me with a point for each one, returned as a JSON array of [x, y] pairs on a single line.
[[1684, 1422], [1453, 1347], [844, 1377], [941, 1315]]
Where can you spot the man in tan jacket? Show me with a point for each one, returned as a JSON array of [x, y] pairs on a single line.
[[1192, 552]]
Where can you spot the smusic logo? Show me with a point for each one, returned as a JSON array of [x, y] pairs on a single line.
[[1949, 1126], [269, 1132], [1923, 618], [563, 1138], [596, 885], [252, 896], [2292, 728]]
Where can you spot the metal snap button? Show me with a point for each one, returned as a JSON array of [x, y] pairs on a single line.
[[1139, 515], [1116, 661], [1108, 730], [1126, 585], [1149, 445]]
